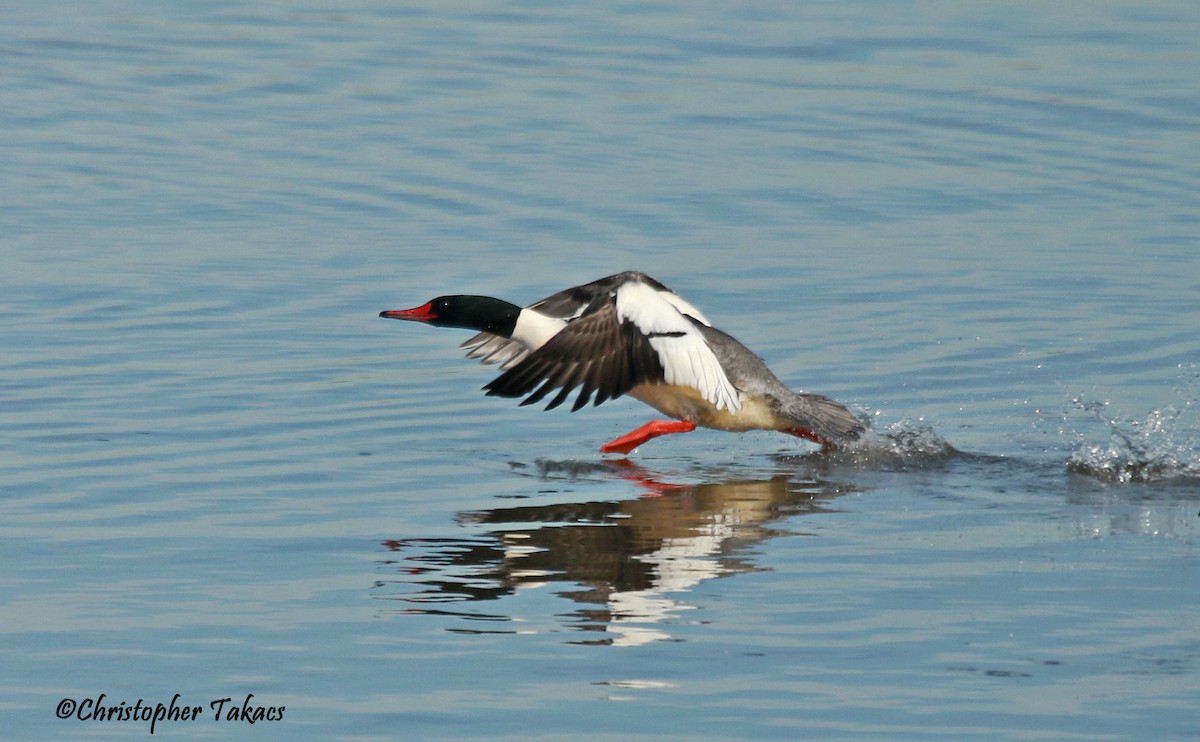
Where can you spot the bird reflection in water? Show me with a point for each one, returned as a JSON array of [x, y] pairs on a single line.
[[628, 564]]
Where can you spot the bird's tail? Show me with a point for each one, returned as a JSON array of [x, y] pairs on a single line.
[[826, 419]]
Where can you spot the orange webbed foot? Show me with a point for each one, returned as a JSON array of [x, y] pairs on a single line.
[[652, 429]]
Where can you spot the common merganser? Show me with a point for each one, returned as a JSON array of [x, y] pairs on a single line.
[[630, 334]]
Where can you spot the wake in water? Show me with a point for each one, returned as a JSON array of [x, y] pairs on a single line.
[[1157, 448], [904, 442]]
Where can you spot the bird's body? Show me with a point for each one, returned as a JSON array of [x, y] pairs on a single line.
[[630, 334]]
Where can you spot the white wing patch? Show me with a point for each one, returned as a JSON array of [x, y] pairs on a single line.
[[685, 356], [684, 307]]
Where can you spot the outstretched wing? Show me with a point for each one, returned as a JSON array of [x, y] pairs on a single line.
[[568, 304], [631, 332]]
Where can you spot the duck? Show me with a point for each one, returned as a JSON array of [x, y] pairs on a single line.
[[628, 334]]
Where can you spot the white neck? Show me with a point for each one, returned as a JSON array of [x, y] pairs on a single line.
[[534, 328]]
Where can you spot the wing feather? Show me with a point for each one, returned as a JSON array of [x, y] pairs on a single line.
[[631, 330], [686, 357]]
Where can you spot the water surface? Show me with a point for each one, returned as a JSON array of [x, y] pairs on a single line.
[[223, 475]]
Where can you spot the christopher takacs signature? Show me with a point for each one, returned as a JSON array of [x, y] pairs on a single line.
[[101, 708]]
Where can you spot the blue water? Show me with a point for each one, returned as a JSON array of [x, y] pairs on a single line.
[[223, 475]]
